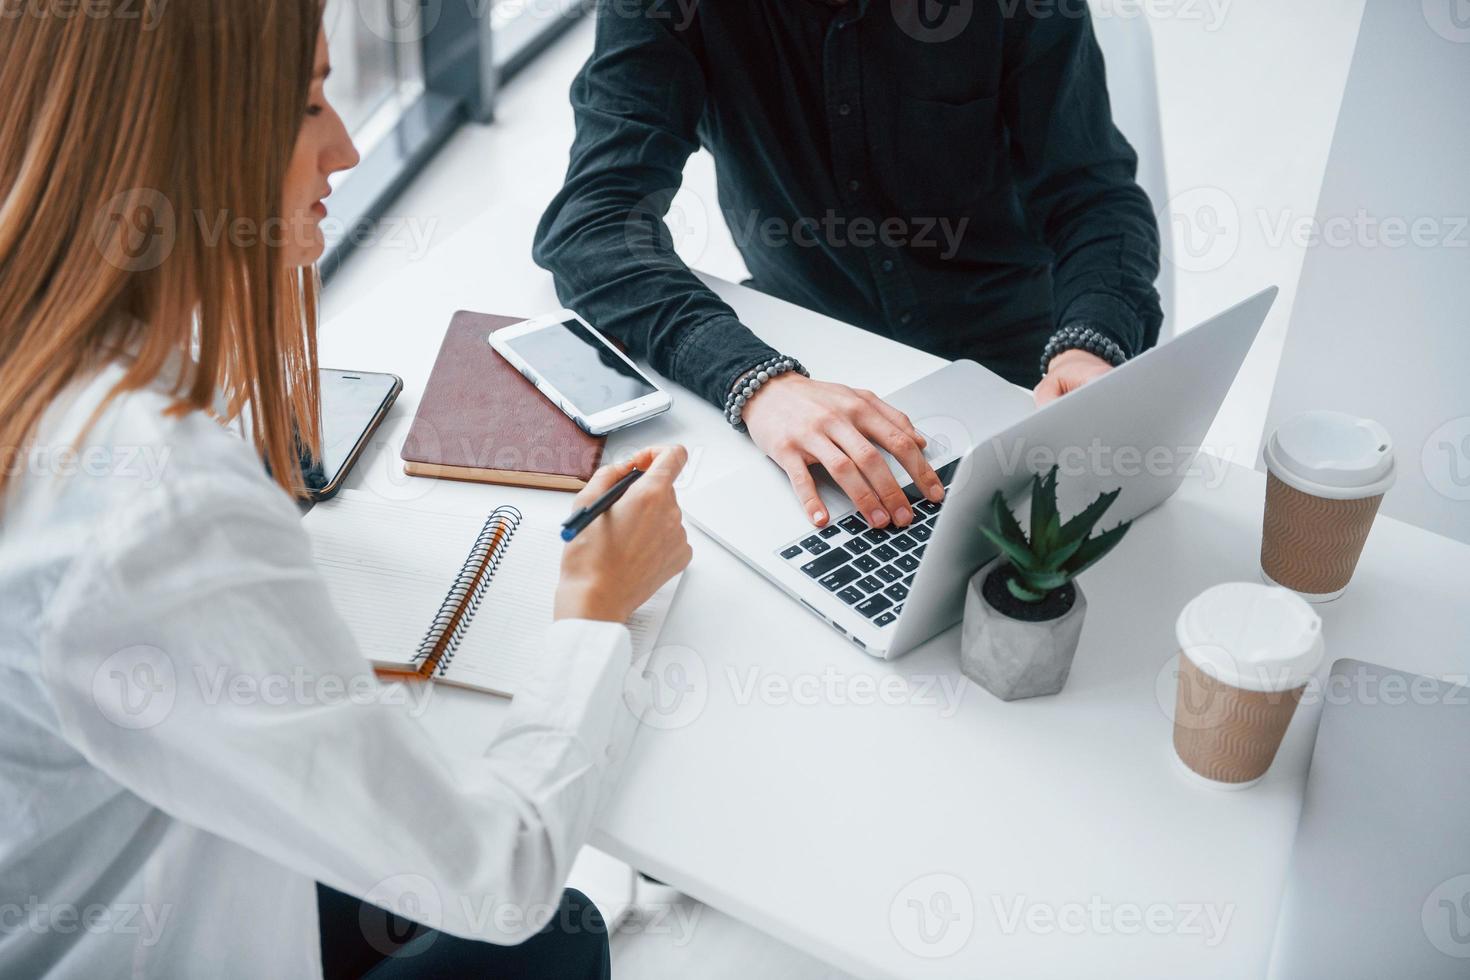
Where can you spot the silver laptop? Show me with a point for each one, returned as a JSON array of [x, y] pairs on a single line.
[[1379, 884], [1136, 429]]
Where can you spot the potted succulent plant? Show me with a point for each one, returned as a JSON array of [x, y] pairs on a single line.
[[1023, 611]]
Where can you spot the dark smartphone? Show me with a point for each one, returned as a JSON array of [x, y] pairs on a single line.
[[354, 404]]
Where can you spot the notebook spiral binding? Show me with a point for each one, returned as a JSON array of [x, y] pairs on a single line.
[[500, 526]]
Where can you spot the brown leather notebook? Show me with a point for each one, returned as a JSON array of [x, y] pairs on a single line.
[[479, 420]]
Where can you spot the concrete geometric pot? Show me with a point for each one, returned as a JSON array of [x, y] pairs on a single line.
[[1013, 658]]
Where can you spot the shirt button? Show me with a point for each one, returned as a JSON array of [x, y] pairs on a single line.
[[844, 109], [906, 318], [854, 185], [887, 265]]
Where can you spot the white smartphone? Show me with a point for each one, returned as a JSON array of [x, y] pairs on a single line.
[[581, 372]]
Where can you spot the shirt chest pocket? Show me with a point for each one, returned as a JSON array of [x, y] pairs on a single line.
[[941, 157]]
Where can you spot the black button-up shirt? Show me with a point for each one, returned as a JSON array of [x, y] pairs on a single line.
[[943, 172]]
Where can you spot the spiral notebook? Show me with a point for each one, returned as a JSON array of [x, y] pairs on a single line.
[[458, 599]]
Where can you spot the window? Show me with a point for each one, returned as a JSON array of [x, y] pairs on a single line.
[[406, 74], [377, 70], [521, 28]]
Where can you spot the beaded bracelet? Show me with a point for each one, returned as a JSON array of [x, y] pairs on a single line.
[[752, 381], [1080, 336]]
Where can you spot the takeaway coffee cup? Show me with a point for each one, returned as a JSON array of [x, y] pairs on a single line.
[[1326, 473], [1246, 653]]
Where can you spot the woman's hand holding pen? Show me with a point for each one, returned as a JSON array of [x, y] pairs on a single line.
[[622, 558]]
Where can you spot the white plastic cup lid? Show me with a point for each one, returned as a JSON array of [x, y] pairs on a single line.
[[1252, 636], [1332, 455]]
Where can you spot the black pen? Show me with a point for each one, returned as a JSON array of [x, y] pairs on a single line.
[[577, 523]]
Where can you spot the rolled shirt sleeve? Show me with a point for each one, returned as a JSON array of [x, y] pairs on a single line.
[[1075, 173], [637, 104], [195, 657]]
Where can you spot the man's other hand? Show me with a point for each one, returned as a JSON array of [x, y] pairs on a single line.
[[1068, 371]]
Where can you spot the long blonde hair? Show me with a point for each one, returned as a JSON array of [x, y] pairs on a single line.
[[128, 133]]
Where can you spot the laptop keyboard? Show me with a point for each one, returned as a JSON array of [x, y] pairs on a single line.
[[870, 568]]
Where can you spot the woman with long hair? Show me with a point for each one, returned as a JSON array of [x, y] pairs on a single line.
[[157, 818]]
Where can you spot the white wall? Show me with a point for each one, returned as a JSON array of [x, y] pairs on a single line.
[[1382, 320]]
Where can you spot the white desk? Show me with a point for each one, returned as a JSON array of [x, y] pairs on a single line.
[[791, 790]]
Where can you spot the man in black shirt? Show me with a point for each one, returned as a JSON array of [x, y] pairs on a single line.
[[942, 172]]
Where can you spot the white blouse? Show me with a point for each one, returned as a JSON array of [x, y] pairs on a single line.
[[190, 739]]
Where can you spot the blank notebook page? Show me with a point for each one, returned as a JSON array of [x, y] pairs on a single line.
[[506, 636], [388, 568], [504, 639]]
